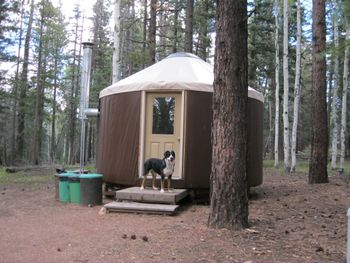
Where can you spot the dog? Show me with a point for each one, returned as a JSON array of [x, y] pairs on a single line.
[[164, 167]]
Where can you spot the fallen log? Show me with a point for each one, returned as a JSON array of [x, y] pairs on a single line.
[[16, 169]]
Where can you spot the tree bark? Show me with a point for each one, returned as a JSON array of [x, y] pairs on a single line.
[[334, 107], [344, 100], [144, 32], [297, 90], [116, 49], [70, 143], [286, 144], [152, 32], [162, 43], [39, 103], [277, 90], [15, 89], [228, 180], [175, 30], [189, 26], [23, 88], [203, 40], [319, 137]]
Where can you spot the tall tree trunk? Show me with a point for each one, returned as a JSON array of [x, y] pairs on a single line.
[[131, 32], [334, 110], [344, 100], [152, 32], [228, 180], [38, 114], [54, 103], [297, 88], [286, 144], [203, 34], [252, 65], [144, 32], [175, 30], [70, 157], [23, 87], [162, 34], [15, 90], [319, 140], [116, 49], [189, 26], [277, 90], [268, 148]]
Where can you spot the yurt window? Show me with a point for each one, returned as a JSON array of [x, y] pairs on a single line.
[[163, 115]]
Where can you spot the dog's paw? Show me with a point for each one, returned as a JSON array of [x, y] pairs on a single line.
[[162, 190], [171, 190], [142, 188], [155, 188]]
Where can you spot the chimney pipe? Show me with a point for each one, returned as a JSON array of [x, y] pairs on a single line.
[[84, 97]]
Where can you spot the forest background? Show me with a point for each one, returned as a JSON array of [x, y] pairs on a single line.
[[41, 53]]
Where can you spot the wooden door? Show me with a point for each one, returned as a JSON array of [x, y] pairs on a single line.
[[163, 127]]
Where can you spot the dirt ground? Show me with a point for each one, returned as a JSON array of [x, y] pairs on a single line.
[[290, 221]]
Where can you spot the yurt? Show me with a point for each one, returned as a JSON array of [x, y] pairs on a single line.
[[168, 106]]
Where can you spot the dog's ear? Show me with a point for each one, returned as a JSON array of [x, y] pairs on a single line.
[[173, 153], [166, 154]]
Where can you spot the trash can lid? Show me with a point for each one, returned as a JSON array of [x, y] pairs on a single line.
[[66, 174], [90, 176]]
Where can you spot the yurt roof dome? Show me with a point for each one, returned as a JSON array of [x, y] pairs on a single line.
[[178, 71]]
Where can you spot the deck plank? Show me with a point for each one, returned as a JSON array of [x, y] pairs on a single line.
[[134, 207]]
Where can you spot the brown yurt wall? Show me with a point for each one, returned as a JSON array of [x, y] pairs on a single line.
[[118, 138], [255, 142], [197, 164]]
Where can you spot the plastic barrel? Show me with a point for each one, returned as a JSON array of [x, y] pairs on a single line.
[[91, 189], [74, 188], [63, 187]]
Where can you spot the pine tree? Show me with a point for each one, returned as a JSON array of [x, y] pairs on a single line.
[[319, 141], [23, 88], [189, 26], [228, 181]]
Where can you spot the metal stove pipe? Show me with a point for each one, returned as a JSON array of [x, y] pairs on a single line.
[[84, 97]]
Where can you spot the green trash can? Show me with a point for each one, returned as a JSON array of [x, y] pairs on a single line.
[[91, 189], [74, 188], [63, 187]]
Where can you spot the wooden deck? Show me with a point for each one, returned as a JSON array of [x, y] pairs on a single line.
[[149, 195], [149, 201]]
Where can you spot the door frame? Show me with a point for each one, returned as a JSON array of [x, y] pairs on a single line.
[[179, 155]]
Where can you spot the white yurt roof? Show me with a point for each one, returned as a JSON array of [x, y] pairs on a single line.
[[179, 71]]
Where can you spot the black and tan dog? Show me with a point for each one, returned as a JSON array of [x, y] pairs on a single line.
[[164, 167]]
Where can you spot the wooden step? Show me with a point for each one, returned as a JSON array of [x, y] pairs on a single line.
[[149, 195], [135, 207]]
